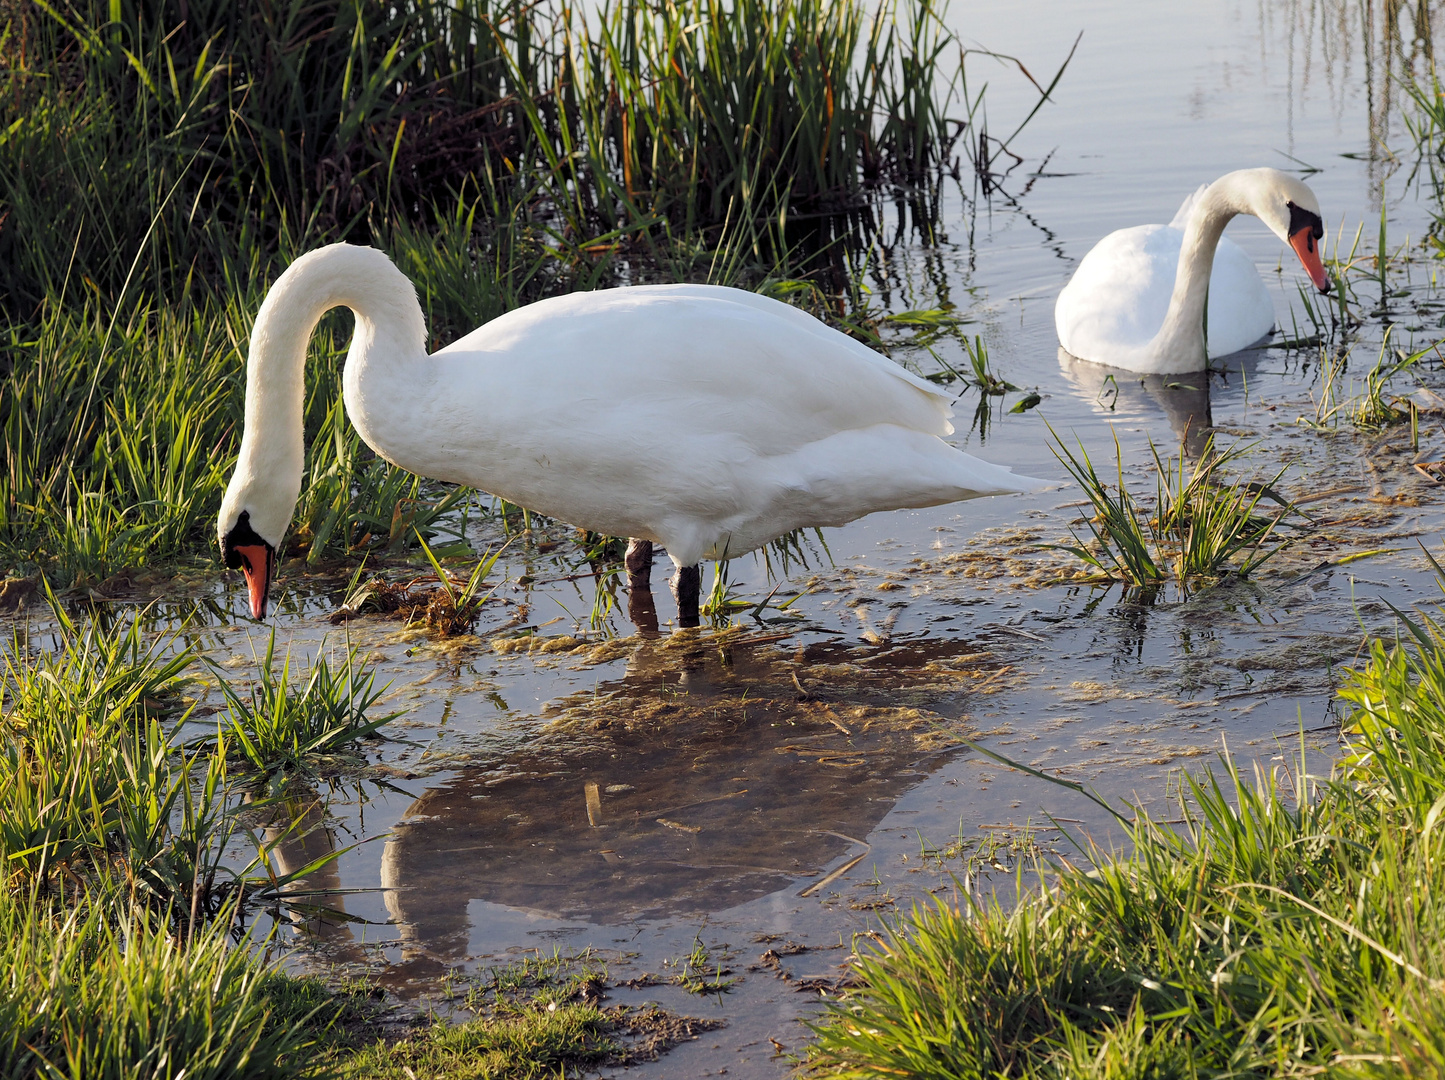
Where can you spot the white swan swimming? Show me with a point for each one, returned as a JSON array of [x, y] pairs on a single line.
[[708, 419], [1137, 300]]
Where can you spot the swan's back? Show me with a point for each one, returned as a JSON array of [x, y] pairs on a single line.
[[722, 359]]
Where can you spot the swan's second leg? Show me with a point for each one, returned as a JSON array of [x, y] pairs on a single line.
[[687, 591], [639, 564]]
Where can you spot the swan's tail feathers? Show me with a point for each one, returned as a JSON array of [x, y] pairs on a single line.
[[985, 478], [1181, 216]]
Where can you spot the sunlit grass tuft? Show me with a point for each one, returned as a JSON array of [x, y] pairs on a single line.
[[1201, 523], [100, 987], [276, 725]]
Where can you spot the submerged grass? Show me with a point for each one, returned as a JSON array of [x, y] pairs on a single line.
[[1290, 926]]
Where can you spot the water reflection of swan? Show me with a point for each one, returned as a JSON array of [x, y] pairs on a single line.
[[298, 835], [697, 782], [708, 419], [1137, 300], [1183, 398]]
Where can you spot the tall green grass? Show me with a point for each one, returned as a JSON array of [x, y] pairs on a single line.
[[1201, 522], [117, 437], [151, 144], [1290, 926], [100, 989]]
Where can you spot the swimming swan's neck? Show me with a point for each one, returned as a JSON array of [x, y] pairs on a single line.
[[1180, 342]]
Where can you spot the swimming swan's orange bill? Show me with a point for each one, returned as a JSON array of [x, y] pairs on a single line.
[[1303, 242], [256, 562]]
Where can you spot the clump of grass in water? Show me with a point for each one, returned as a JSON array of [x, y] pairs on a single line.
[[1371, 411], [702, 974], [275, 726], [451, 608], [1201, 524], [1289, 926], [95, 782]]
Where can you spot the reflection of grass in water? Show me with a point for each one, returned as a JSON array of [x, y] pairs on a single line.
[[1291, 925]]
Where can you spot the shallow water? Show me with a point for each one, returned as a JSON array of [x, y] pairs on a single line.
[[635, 794]]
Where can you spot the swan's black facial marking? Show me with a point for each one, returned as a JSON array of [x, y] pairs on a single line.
[[1305, 228], [245, 549], [241, 535], [1300, 218]]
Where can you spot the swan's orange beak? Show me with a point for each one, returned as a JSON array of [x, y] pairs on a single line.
[[256, 562], [1303, 242]]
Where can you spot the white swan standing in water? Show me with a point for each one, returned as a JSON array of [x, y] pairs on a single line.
[[1137, 300], [707, 419]]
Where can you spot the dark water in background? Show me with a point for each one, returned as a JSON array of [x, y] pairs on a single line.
[[684, 791]]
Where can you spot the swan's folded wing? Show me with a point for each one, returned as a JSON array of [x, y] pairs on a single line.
[[1181, 216], [692, 360], [1116, 301]]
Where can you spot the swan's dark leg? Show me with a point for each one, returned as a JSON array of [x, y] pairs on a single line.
[[639, 564], [641, 608], [687, 591]]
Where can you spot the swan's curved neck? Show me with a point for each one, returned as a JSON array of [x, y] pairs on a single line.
[[390, 329], [1180, 341]]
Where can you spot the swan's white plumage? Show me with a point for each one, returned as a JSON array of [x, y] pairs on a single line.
[[1133, 270], [1117, 307], [707, 419]]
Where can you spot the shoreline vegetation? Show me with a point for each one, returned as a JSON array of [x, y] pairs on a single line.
[[1287, 925], [159, 163]]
